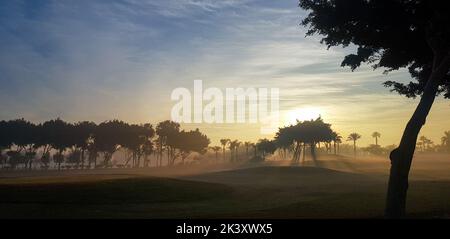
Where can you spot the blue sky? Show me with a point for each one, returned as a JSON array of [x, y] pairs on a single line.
[[106, 59]]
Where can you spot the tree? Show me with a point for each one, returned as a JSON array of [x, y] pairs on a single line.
[[147, 143], [3, 159], [446, 140], [376, 135], [247, 145], [284, 140], [224, 143], [167, 132], [191, 141], [23, 136], [290, 138], [354, 137], [82, 131], [5, 140], [337, 140], [60, 138], [381, 42], [216, 150], [309, 132], [74, 157], [374, 149], [109, 136], [44, 141], [266, 147], [253, 145], [137, 139], [92, 151], [424, 143], [45, 160], [233, 146], [236, 149], [15, 158]]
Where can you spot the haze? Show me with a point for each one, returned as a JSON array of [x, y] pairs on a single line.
[[97, 60]]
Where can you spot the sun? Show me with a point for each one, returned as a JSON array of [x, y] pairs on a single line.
[[307, 113]]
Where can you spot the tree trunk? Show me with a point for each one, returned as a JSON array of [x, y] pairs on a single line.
[[313, 151], [296, 156], [223, 153], [231, 154], [401, 157], [82, 159], [304, 154]]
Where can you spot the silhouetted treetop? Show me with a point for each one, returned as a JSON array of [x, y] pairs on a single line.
[[390, 34]]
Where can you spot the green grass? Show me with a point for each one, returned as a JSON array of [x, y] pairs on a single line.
[[265, 192], [108, 198]]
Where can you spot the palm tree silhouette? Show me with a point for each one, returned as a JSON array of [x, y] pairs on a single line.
[[354, 137], [446, 140], [425, 143], [376, 135], [338, 141], [247, 145], [216, 150], [233, 145], [224, 143], [238, 143]]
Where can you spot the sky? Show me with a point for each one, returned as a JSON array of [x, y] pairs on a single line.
[[121, 59]]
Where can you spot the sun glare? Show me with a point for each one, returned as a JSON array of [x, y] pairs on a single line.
[[301, 114]]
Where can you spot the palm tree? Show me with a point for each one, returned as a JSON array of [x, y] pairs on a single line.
[[354, 137], [234, 145], [420, 146], [236, 151], [247, 145], [231, 146], [429, 144], [376, 135], [338, 141], [253, 145], [224, 143], [446, 140], [425, 143], [216, 150]]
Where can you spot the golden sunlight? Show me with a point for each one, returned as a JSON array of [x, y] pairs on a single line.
[[306, 113]]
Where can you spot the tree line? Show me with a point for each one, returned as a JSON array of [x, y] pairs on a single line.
[[293, 142], [90, 145], [86, 145]]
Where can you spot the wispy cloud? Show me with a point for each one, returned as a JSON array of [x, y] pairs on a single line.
[[94, 59]]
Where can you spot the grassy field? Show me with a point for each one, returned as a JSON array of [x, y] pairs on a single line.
[[351, 189]]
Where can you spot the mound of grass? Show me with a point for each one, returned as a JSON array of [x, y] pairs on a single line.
[[283, 176], [263, 192], [102, 198]]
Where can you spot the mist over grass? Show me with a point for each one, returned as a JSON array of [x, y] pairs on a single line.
[[341, 187]]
